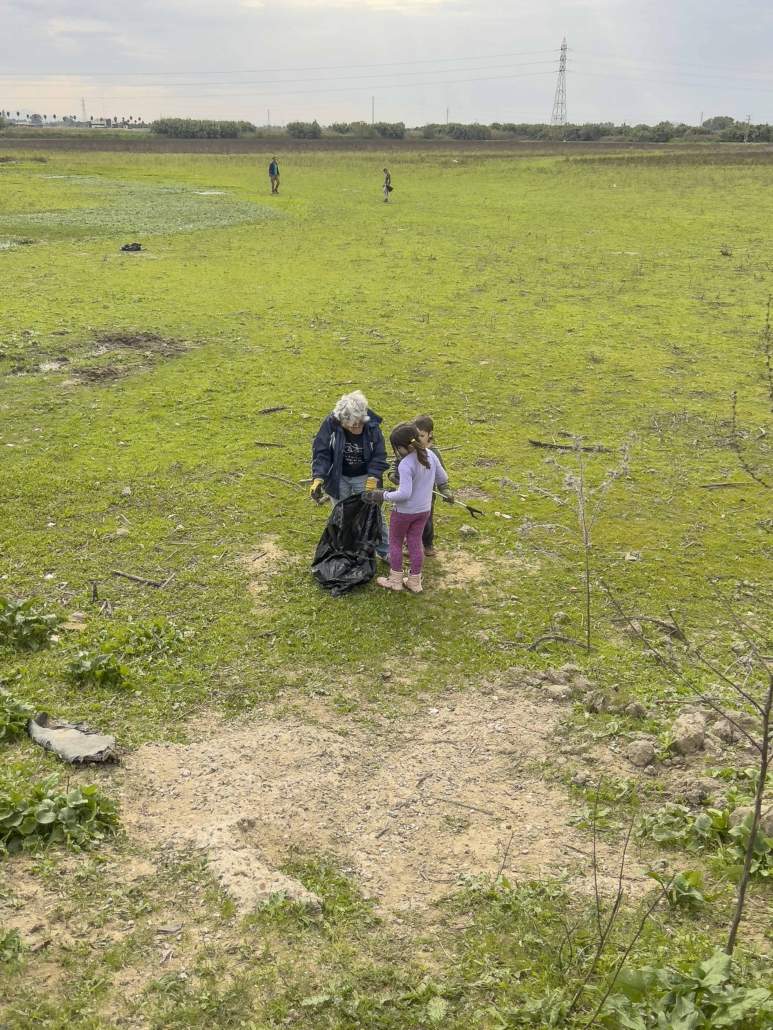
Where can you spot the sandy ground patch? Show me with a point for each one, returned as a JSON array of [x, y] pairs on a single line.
[[407, 808], [267, 560]]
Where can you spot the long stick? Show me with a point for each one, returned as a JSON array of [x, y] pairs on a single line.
[[281, 479], [137, 579]]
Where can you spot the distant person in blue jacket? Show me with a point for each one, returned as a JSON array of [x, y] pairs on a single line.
[[273, 174], [348, 450]]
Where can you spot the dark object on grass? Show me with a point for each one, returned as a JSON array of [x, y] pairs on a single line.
[[346, 553], [596, 448], [132, 247], [73, 742]]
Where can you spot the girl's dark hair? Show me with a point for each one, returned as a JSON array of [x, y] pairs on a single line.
[[425, 424], [407, 435]]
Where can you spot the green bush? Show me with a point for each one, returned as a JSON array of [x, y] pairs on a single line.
[[342, 128], [390, 130], [23, 626], [474, 131], [10, 946], [13, 717], [97, 669], [676, 826], [705, 997], [304, 130], [196, 128], [43, 814]]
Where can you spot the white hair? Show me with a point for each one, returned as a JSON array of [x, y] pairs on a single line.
[[352, 407]]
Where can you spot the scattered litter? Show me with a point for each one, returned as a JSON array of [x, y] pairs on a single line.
[[132, 247], [502, 515], [632, 556], [73, 742]]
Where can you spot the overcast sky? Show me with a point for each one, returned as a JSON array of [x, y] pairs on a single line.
[[484, 60]]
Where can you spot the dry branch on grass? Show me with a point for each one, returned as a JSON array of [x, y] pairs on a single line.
[[595, 448]]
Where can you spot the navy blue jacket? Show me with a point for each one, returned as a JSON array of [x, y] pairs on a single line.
[[327, 452]]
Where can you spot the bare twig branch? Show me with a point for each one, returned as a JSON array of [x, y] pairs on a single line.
[[593, 448], [137, 579], [762, 778], [627, 952], [557, 638], [735, 443]]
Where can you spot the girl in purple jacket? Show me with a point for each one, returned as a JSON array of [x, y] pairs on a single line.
[[420, 473]]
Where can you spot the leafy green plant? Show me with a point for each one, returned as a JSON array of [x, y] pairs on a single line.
[[97, 668], [10, 946], [13, 716], [705, 997], [146, 640], [675, 826], [684, 890], [44, 815], [23, 626]]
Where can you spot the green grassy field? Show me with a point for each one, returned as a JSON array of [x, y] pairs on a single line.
[[619, 298]]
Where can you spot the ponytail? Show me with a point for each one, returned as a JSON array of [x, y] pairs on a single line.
[[407, 435]]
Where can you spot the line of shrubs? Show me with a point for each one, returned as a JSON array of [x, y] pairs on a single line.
[[721, 128], [197, 128]]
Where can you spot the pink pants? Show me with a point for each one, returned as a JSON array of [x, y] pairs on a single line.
[[406, 528]]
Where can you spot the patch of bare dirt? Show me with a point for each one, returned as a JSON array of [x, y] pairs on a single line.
[[407, 808], [471, 493], [266, 561], [459, 569], [147, 342], [96, 374]]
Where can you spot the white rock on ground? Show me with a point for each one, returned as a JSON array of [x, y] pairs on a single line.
[[640, 753], [689, 732]]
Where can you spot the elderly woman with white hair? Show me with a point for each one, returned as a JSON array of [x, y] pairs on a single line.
[[348, 450]]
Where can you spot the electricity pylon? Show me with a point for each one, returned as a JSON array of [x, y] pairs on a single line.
[[558, 117]]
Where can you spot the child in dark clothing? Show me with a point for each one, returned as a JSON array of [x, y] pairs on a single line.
[[426, 428]]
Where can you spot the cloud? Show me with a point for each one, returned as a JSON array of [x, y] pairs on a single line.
[[397, 6], [78, 27]]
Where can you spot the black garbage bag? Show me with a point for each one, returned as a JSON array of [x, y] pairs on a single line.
[[346, 553]]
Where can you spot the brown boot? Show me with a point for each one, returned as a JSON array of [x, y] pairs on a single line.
[[394, 581], [413, 583]]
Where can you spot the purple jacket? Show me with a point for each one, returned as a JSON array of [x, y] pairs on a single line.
[[414, 494]]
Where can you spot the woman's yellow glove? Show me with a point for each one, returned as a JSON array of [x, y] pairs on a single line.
[[315, 491]]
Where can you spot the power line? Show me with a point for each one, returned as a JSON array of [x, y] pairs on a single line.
[[675, 82], [737, 71], [378, 75], [136, 98], [264, 71]]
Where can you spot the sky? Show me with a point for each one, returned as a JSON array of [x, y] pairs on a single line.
[[415, 61]]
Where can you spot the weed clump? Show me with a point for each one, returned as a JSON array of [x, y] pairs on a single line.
[[23, 626], [44, 814], [14, 716], [97, 669]]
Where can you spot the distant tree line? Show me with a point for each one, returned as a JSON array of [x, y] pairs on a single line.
[[369, 130], [195, 128], [721, 128]]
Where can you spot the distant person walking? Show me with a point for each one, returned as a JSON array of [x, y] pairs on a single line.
[[273, 174], [387, 185]]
